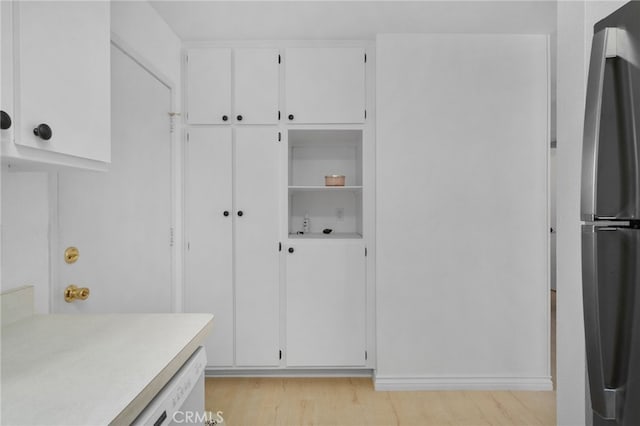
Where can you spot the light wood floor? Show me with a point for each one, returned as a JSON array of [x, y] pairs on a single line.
[[354, 402]]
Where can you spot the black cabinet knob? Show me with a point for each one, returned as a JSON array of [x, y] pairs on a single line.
[[290, 116], [43, 131], [226, 213], [291, 250], [240, 213], [5, 120], [225, 118], [239, 117]]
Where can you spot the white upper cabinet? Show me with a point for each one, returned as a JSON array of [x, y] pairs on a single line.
[[213, 72], [256, 86], [57, 58], [208, 86], [325, 85]]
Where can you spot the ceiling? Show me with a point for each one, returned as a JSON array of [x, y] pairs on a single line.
[[355, 20]]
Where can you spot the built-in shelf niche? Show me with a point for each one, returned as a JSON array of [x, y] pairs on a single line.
[[313, 154]]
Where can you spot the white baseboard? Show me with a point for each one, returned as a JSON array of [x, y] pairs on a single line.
[[290, 372], [394, 383]]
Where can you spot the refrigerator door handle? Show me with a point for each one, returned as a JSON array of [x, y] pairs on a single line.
[[603, 400], [604, 45], [607, 43]]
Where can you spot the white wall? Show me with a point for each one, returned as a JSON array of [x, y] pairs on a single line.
[[462, 232], [575, 30], [140, 26], [25, 234]]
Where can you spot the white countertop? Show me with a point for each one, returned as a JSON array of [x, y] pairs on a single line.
[[92, 369]]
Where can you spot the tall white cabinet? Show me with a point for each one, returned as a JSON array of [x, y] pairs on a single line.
[[209, 233], [231, 216], [257, 248], [265, 126]]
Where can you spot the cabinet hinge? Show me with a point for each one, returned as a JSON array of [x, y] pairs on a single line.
[[279, 136], [280, 354], [186, 58], [187, 136], [365, 58], [365, 252], [171, 237], [279, 59], [365, 355], [188, 246], [365, 114], [278, 115], [279, 246]]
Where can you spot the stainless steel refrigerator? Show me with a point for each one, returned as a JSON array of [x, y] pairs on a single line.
[[610, 209]]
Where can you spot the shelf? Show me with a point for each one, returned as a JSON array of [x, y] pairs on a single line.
[[332, 236], [312, 155], [324, 188]]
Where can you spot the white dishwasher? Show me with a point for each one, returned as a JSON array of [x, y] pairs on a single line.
[[181, 400]]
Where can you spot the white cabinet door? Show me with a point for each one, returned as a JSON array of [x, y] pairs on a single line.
[[209, 263], [325, 85], [208, 86], [326, 304], [256, 249], [6, 72], [62, 77], [256, 86]]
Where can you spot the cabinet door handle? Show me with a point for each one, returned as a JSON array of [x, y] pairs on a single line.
[[240, 213], [43, 131], [239, 117], [225, 118], [291, 250], [290, 116], [226, 213], [5, 120]]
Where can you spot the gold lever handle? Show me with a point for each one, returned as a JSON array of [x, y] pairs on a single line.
[[72, 293]]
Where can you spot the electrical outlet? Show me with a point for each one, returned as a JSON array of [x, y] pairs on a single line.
[[340, 214]]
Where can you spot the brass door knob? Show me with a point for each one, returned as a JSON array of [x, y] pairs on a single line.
[[72, 293]]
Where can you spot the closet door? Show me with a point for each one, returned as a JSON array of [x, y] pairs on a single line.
[[256, 249], [208, 223], [256, 86], [120, 220], [208, 86], [325, 85]]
